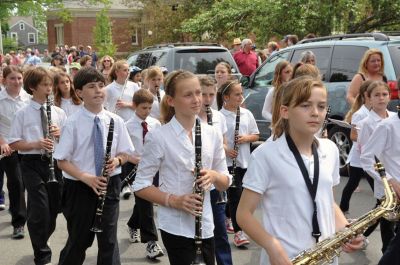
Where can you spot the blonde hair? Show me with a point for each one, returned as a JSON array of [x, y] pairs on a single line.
[[170, 84], [376, 84], [153, 71], [359, 101], [277, 81], [364, 61], [116, 66], [293, 94], [302, 69], [102, 61]]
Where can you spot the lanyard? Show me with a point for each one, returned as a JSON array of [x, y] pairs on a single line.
[[312, 187]]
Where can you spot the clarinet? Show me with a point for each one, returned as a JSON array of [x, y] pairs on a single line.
[[235, 147], [49, 154], [129, 177], [158, 95], [198, 259], [221, 194], [97, 223], [323, 128], [116, 110]]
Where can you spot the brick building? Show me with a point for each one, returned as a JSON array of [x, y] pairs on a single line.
[[124, 15]]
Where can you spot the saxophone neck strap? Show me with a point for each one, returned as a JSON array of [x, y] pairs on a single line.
[[311, 186]]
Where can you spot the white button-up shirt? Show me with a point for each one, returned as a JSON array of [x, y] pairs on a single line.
[[247, 125], [218, 121], [114, 92], [27, 125], [384, 143], [267, 107], [8, 107], [77, 146], [368, 126], [69, 107], [286, 203], [169, 150], [135, 130]]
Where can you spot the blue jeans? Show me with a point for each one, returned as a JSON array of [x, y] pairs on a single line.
[[222, 247]]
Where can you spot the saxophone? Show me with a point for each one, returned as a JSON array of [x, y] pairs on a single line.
[[326, 250]]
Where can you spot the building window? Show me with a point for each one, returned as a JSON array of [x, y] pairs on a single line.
[[134, 37], [31, 38], [59, 34], [21, 26], [14, 36]]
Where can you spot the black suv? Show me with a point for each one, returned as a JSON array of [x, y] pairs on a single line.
[[198, 58], [338, 58]]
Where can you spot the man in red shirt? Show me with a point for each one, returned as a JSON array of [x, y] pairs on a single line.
[[246, 59]]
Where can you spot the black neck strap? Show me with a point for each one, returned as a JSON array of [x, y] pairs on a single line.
[[312, 187]]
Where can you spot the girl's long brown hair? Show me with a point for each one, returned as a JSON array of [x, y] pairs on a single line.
[[170, 84], [57, 92], [360, 100]]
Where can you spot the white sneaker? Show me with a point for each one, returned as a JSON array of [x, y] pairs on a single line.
[[126, 192], [240, 239], [153, 250], [134, 236]]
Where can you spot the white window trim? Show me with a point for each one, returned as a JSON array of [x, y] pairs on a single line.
[[59, 27], [23, 26], [16, 35], [136, 34], [34, 37]]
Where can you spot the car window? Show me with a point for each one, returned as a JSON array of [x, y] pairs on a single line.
[[132, 60], [202, 60], [142, 60], [322, 55], [345, 62], [265, 74], [395, 55], [158, 58]]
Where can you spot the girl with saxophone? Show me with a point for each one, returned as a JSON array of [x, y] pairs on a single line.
[[93, 146], [292, 177], [33, 137], [171, 150], [241, 131], [218, 199]]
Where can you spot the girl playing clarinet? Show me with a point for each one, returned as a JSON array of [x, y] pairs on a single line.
[[170, 150]]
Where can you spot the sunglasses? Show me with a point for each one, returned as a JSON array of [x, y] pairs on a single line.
[[107, 61]]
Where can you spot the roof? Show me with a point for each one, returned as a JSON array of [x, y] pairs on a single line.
[[16, 19]]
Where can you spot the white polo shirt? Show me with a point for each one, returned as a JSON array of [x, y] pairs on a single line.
[[354, 154], [27, 125], [69, 107], [114, 92], [76, 143], [8, 108], [169, 150], [247, 125], [286, 204], [384, 144]]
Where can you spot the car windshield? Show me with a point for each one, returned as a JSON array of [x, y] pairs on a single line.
[[202, 60]]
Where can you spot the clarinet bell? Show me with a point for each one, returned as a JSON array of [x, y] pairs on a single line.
[[222, 197]]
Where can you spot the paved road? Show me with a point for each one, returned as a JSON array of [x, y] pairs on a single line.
[[19, 252]]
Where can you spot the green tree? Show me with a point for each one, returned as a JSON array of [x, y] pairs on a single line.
[[102, 35]]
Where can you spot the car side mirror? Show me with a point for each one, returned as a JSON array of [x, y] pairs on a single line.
[[244, 80]]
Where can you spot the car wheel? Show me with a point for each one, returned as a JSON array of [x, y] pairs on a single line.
[[341, 137]]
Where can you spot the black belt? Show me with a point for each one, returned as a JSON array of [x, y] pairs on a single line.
[[34, 157]]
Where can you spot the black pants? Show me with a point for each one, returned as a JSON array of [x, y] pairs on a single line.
[[43, 204], [16, 189], [392, 254], [356, 174], [234, 195], [143, 215], [79, 204], [387, 230], [181, 250]]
